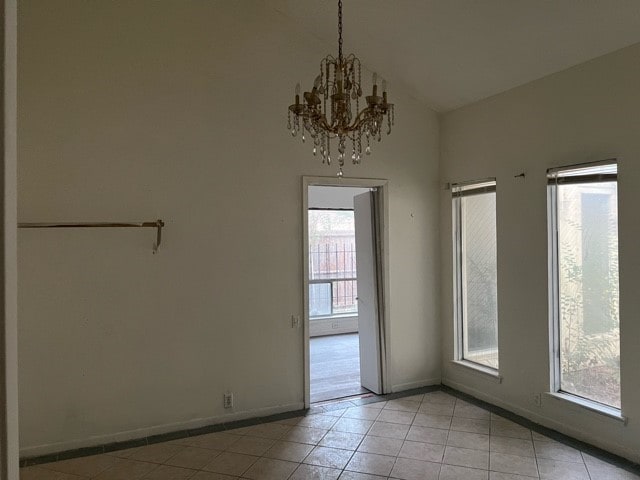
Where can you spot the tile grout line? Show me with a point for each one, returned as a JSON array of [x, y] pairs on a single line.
[[585, 465], [535, 454], [444, 450]]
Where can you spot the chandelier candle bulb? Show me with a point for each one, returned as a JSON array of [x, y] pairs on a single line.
[[331, 110]]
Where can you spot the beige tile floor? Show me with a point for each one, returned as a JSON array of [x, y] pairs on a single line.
[[425, 437]]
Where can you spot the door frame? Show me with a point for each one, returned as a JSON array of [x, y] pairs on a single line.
[[382, 185], [9, 445]]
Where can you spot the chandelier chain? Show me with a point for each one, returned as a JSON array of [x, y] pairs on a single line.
[[340, 29]]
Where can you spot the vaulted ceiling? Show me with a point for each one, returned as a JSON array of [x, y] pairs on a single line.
[[450, 53]]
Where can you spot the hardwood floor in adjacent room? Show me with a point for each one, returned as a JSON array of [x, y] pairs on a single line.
[[335, 367]]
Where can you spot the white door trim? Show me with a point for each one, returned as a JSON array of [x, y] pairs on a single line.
[[8, 256], [384, 312]]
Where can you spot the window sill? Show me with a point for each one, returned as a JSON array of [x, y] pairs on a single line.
[[488, 372], [595, 407], [334, 317]]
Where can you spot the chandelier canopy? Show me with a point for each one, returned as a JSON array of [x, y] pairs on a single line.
[[331, 110]]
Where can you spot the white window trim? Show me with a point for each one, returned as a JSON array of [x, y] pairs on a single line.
[[554, 291], [336, 316], [554, 306], [458, 308]]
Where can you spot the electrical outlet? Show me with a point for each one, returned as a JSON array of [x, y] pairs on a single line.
[[537, 399], [228, 400]]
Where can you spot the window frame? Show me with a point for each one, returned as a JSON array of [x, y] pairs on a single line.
[[555, 362], [458, 191], [332, 280]]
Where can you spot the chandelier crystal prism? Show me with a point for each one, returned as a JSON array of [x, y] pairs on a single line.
[[331, 111]]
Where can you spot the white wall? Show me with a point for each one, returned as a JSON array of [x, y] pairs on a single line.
[[151, 109], [319, 327], [333, 197], [589, 112]]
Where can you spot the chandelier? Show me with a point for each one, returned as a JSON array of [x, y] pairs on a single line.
[[331, 111]]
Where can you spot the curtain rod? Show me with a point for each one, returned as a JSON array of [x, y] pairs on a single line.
[[158, 224]]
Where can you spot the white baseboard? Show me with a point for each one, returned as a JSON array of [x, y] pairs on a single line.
[[97, 440], [545, 421], [410, 385]]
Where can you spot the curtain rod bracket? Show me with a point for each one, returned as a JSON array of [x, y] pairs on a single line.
[[159, 225]]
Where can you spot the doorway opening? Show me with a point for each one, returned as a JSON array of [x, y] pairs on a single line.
[[344, 334]]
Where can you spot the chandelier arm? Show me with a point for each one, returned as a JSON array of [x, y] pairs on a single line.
[[357, 123], [321, 121]]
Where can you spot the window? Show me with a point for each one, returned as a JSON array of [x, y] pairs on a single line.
[[583, 207], [332, 263], [475, 257]]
